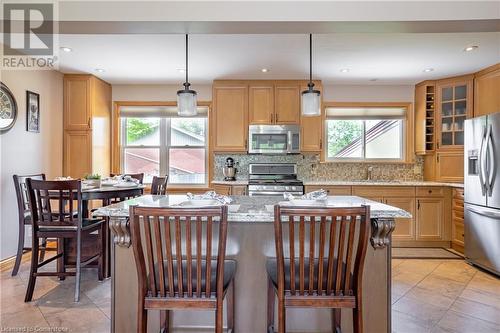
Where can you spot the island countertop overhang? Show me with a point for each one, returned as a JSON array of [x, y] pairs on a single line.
[[251, 209]]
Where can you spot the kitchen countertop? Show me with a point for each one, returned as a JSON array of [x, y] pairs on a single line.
[[250, 209], [353, 183]]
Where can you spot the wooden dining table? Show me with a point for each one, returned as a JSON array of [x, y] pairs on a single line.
[[104, 194]]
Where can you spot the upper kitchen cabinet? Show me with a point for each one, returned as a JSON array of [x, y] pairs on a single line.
[[311, 128], [487, 91], [287, 103], [261, 103], [453, 105], [424, 117], [87, 126], [230, 116], [274, 102]]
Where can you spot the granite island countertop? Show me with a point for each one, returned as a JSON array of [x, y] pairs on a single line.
[[250, 209], [353, 183]]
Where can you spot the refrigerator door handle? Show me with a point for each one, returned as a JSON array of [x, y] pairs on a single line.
[[481, 163], [490, 157], [486, 213]]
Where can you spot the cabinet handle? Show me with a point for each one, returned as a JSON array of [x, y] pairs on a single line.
[[320, 144], [418, 204], [275, 117], [88, 123], [437, 158], [246, 144]]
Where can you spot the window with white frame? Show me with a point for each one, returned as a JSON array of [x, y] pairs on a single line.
[[155, 141], [365, 133]]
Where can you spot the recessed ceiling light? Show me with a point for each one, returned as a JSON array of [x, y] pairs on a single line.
[[99, 70], [264, 70], [471, 48], [66, 49], [427, 70], [181, 70], [344, 70]]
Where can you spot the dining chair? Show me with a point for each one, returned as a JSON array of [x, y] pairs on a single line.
[[327, 271], [138, 176], [169, 279], [159, 185], [62, 224], [24, 218]]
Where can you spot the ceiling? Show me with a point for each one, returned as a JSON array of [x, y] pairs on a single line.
[[371, 58]]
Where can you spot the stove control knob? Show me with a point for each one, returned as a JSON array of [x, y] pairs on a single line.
[[287, 188], [276, 187], [294, 188]]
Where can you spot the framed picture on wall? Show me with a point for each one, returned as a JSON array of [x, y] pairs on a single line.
[[32, 112]]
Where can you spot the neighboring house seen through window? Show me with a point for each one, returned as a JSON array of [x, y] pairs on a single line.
[[157, 142], [365, 133]]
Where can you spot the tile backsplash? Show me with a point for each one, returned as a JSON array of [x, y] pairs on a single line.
[[310, 169]]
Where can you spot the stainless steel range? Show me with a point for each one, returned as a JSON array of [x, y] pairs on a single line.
[[273, 179]]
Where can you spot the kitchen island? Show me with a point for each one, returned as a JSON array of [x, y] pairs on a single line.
[[250, 242]]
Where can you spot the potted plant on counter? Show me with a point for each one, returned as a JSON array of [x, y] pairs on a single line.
[[92, 180]]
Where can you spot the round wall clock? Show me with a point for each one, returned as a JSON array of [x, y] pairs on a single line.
[[8, 109]]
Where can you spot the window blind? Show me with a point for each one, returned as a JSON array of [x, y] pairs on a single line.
[[366, 112]]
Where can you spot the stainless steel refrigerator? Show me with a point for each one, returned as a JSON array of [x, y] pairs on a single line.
[[482, 192]]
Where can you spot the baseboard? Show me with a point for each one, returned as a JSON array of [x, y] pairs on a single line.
[[445, 244]]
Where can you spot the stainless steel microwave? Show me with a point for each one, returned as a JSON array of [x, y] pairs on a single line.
[[274, 139]]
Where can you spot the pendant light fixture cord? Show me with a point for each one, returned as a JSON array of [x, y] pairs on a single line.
[[186, 83], [310, 58]]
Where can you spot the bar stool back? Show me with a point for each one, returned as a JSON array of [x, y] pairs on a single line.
[[322, 264], [170, 278]]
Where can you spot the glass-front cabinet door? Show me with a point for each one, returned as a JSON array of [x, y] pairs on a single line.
[[454, 102]]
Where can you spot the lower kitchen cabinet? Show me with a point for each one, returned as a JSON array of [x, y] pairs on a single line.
[[457, 227], [405, 228], [230, 189], [430, 219]]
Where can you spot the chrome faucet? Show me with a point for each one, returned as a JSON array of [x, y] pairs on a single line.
[[369, 172]]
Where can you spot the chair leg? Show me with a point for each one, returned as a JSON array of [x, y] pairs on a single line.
[[20, 248], [60, 261], [219, 319], [357, 317], [33, 270], [270, 305], [78, 264], [42, 249], [142, 316], [336, 315], [164, 321], [230, 307], [101, 261], [281, 315]]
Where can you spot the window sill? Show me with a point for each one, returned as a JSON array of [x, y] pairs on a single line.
[[367, 162]]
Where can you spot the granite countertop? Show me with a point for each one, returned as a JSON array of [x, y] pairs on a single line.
[[354, 183], [250, 209]]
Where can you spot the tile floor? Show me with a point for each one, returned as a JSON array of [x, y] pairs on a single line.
[[428, 296]]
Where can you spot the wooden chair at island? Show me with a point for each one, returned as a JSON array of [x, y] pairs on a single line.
[[62, 224], [334, 279], [205, 280], [159, 185]]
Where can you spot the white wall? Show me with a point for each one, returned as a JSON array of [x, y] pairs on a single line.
[[23, 152], [156, 92], [368, 93], [332, 93]]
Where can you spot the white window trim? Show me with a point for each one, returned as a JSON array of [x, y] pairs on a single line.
[[165, 130], [364, 159]]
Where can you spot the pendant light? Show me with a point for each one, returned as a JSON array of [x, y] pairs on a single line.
[[311, 98], [186, 98]]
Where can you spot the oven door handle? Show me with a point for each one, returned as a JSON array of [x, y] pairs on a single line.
[[251, 194]]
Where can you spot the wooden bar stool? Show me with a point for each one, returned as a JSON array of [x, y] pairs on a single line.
[[24, 217], [61, 224], [327, 271], [169, 279], [159, 185]]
